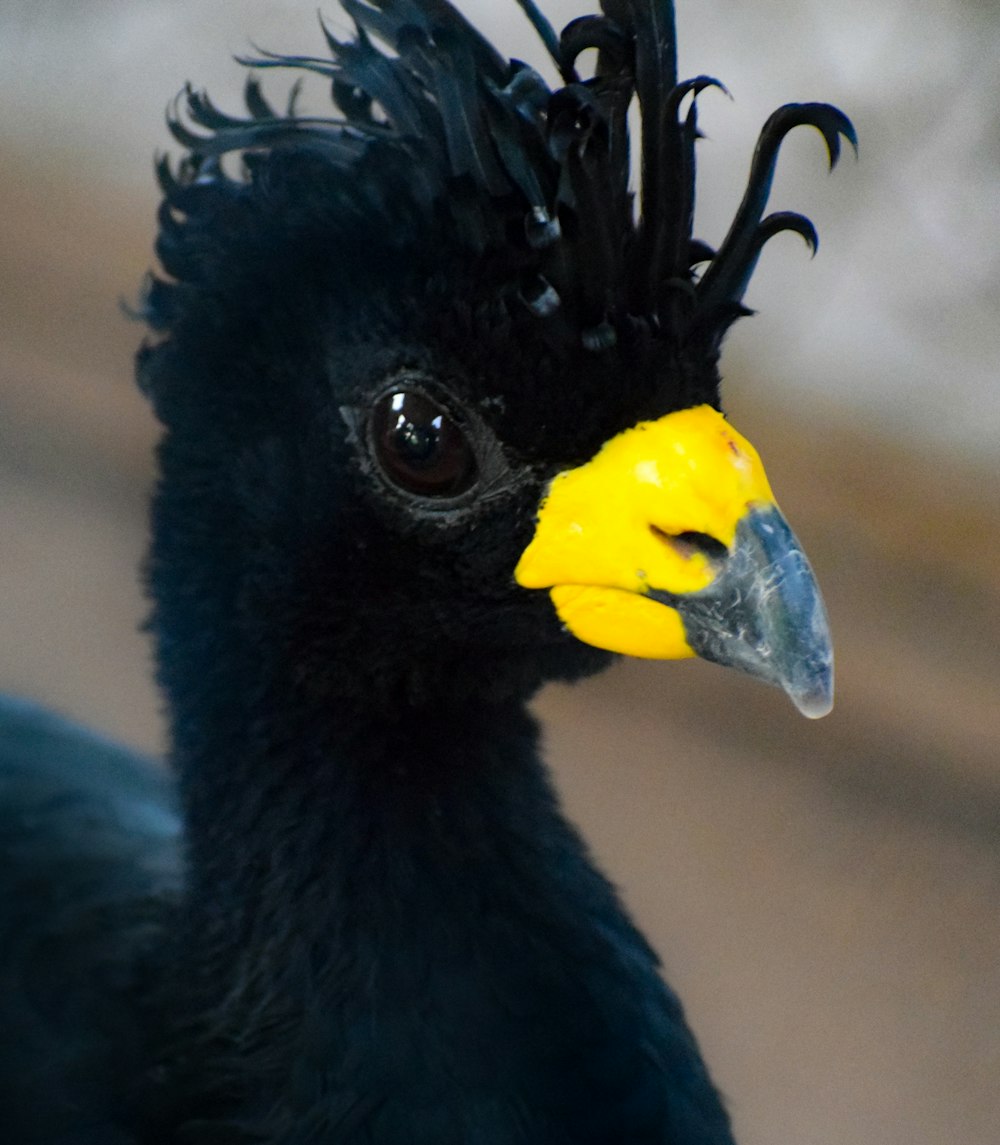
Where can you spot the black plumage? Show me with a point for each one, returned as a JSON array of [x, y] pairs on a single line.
[[379, 338]]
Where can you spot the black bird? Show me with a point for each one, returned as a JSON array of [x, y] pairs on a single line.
[[440, 423]]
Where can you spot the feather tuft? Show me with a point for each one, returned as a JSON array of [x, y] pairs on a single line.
[[432, 123]]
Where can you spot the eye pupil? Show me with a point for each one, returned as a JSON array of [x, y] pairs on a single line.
[[419, 447], [417, 443]]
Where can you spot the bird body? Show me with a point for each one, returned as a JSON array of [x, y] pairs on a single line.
[[89, 837], [385, 349]]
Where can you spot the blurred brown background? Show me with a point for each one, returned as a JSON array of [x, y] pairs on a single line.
[[825, 895]]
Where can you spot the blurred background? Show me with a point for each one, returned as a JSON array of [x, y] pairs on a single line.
[[825, 896]]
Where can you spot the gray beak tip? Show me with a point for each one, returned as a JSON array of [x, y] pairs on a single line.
[[764, 615], [814, 705]]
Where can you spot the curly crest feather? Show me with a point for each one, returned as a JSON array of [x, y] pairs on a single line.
[[435, 129]]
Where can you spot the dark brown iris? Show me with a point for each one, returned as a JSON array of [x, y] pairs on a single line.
[[420, 448]]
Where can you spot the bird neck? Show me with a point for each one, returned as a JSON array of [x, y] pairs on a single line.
[[341, 826], [391, 930], [404, 888]]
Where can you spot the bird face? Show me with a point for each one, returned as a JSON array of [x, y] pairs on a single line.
[[449, 489], [667, 543]]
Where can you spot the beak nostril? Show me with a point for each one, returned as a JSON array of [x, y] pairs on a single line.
[[688, 543]]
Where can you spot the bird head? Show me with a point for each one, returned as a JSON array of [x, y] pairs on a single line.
[[441, 391]]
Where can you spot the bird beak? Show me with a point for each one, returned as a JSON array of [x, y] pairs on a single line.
[[668, 544]]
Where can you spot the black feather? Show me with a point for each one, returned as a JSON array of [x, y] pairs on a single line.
[[546, 33], [726, 278], [514, 162]]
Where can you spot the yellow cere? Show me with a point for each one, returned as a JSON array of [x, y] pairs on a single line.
[[608, 524]]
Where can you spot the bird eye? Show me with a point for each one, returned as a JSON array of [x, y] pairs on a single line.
[[420, 448]]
